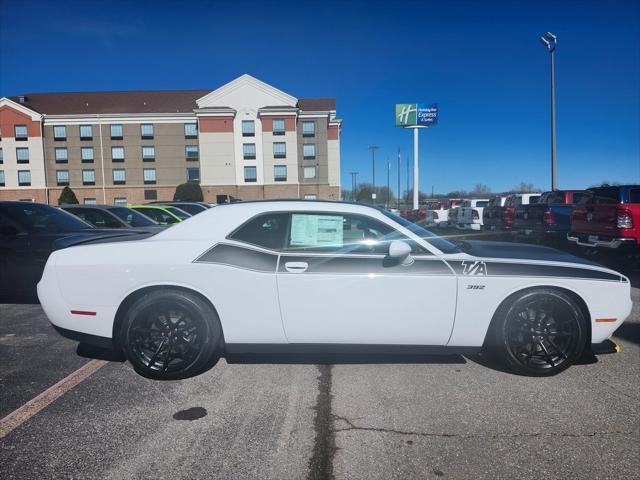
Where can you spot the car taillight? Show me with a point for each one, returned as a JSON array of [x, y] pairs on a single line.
[[549, 217], [625, 220], [475, 215], [509, 212]]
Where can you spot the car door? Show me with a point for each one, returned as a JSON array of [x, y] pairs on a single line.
[[336, 285]]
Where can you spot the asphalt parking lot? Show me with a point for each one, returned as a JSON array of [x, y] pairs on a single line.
[[347, 417]]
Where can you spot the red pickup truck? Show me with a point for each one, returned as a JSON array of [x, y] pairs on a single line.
[[608, 217]]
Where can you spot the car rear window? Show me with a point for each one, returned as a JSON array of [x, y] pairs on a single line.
[[132, 217], [484, 203], [634, 195], [605, 195]]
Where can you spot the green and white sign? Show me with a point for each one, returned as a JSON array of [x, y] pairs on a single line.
[[416, 114]]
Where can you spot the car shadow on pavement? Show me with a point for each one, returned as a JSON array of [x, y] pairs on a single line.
[[97, 353], [489, 361], [629, 332], [340, 358]]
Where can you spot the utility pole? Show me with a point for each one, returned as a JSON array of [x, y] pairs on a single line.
[[373, 149], [408, 178], [549, 40], [386, 203], [354, 184], [399, 176]]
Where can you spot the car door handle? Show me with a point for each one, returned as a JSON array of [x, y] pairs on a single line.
[[296, 267]]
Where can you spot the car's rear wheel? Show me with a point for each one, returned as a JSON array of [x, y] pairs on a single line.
[[539, 332], [170, 334]]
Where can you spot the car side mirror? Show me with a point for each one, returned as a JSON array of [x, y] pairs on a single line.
[[400, 252]]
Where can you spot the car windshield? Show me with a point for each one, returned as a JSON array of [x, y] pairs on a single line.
[[181, 214], [132, 217], [440, 243], [36, 218]]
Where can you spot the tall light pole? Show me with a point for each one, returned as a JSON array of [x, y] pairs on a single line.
[[399, 176], [354, 184], [386, 203], [373, 149], [549, 40]]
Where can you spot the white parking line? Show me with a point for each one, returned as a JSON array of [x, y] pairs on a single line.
[[33, 406]]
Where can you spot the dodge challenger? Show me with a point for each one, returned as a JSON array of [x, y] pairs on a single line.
[[313, 275]]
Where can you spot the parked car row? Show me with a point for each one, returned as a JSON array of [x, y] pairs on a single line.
[[600, 217], [29, 232]]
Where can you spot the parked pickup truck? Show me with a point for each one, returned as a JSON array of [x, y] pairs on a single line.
[[492, 213], [509, 209], [470, 214], [549, 219], [608, 217], [450, 216], [438, 212]]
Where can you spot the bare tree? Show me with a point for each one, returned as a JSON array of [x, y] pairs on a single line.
[[481, 190]]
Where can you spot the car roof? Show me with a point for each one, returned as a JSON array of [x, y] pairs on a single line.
[[86, 205]]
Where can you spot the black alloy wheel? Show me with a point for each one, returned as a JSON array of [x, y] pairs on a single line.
[[170, 334], [540, 332]]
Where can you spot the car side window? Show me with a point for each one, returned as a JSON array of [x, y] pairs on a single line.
[[267, 231], [341, 233]]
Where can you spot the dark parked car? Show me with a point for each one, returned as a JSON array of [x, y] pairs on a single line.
[[549, 219], [493, 213], [29, 232], [192, 208], [113, 216], [609, 218]]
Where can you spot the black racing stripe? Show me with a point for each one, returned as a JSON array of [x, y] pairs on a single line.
[[479, 268], [240, 257], [364, 265]]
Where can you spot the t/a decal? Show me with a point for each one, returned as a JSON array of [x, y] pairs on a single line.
[[474, 268]]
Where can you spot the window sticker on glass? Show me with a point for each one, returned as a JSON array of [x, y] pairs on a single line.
[[316, 230]]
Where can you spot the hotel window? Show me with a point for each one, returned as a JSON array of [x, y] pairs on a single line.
[[146, 130], [280, 173], [62, 177], [308, 129], [1, 156], [278, 126], [279, 150], [309, 172], [21, 132], [120, 201], [119, 176], [61, 154], [250, 174], [309, 150], [59, 132], [117, 154], [86, 154], [88, 177], [90, 201], [249, 151], [86, 132], [191, 152], [310, 196], [116, 132], [248, 128], [191, 130], [193, 174], [148, 153], [149, 175], [150, 194], [22, 155], [1, 178], [24, 178]]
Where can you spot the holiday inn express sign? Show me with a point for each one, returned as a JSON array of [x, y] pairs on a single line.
[[416, 115]]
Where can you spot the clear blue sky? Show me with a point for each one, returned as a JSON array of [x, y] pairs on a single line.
[[481, 61]]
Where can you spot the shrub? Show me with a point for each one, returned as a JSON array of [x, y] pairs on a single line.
[[188, 192], [67, 197]]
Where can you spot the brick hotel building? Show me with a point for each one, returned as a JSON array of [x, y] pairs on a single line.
[[246, 139]]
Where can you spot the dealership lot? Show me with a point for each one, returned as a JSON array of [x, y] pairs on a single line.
[[318, 417]]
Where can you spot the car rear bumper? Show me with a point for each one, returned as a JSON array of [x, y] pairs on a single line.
[[597, 241]]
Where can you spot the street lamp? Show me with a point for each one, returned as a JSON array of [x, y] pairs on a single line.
[[549, 40], [373, 149]]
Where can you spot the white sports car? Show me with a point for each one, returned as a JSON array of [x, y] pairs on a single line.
[[302, 275]]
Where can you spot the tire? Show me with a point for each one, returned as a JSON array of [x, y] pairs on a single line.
[[539, 332], [170, 334]]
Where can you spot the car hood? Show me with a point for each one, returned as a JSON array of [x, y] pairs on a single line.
[[520, 251]]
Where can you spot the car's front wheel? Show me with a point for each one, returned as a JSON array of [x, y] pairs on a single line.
[[539, 332], [170, 334]]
